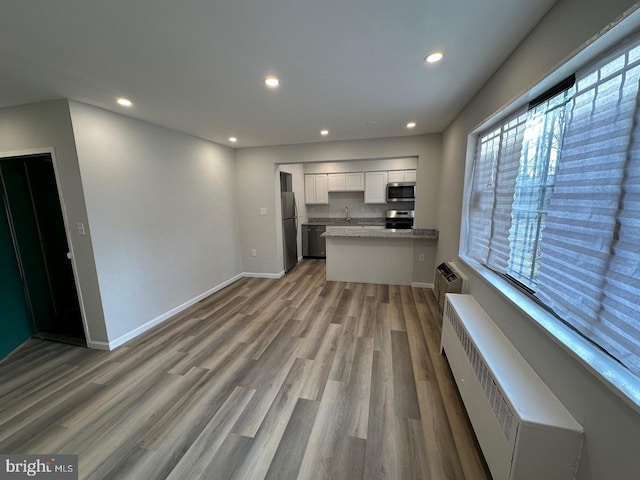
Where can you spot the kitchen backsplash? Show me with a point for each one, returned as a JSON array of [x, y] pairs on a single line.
[[378, 221], [357, 208]]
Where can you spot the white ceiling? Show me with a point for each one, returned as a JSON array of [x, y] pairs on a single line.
[[197, 66]]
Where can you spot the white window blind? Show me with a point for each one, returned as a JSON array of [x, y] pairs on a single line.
[[494, 180], [590, 242]]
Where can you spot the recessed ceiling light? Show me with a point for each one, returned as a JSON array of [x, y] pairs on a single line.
[[233, 139], [434, 57], [411, 124], [124, 102], [324, 132], [272, 82]]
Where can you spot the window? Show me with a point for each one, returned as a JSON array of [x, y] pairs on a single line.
[[536, 175], [555, 203]]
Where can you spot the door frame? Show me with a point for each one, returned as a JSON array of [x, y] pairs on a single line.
[[51, 152]]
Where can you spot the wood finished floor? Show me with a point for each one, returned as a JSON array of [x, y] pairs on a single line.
[[277, 379]]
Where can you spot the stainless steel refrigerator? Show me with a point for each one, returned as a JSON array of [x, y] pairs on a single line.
[[289, 229]]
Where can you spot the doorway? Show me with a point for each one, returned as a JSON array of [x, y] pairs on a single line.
[[34, 246]]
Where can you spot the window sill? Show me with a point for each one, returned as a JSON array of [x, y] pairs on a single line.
[[616, 377]]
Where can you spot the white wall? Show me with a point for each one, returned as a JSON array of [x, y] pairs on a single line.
[[256, 168], [40, 127], [162, 212], [612, 427]]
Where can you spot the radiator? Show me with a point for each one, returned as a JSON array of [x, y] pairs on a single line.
[[447, 279], [525, 433]]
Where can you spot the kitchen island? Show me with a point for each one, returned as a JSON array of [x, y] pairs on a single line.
[[374, 254]]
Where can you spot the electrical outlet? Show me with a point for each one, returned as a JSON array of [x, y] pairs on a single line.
[[253, 252], [263, 211], [421, 257]]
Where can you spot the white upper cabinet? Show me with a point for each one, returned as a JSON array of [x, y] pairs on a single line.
[[346, 182], [315, 189], [337, 182], [321, 189], [410, 175], [309, 189], [354, 182], [317, 186], [375, 187], [398, 176]]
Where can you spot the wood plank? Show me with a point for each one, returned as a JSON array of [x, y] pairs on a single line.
[[343, 361], [317, 456], [359, 389], [381, 327], [411, 451], [395, 307], [314, 336], [404, 387], [348, 460], [33, 422], [323, 363], [266, 440], [344, 306], [229, 458], [288, 457], [440, 446], [103, 445], [367, 317], [380, 455], [202, 451]]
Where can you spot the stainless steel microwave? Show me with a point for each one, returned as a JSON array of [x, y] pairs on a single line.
[[401, 192]]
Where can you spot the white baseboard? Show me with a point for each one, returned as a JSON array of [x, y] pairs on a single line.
[[156, 321], [97, 345], [422, 285], [263, 275]]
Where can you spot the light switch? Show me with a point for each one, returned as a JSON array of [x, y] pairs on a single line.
[[263, 211], [80, 227]]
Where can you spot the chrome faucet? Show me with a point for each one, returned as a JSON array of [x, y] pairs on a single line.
[[347, 216]]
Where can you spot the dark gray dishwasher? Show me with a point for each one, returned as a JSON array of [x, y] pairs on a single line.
[[313, 245]]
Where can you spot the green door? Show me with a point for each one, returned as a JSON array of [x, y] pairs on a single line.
[[15, 320], [28, 246]]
